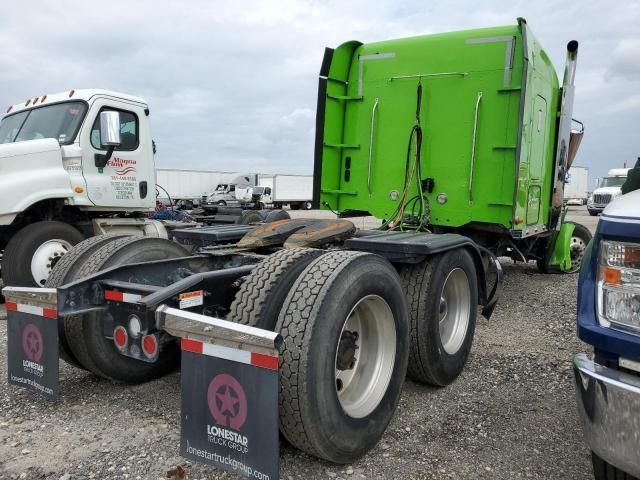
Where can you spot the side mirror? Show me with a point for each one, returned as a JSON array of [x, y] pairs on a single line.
[[110, 128], [109, 137]]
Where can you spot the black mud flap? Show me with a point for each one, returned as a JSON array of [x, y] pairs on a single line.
[[32, 339], [229, 416]]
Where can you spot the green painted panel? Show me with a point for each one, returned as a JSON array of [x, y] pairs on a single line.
[[470, 81]]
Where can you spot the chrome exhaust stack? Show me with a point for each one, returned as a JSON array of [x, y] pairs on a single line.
[[563, 158]]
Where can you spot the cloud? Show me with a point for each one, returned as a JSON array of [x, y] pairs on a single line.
[[232, 85], [625, 60]]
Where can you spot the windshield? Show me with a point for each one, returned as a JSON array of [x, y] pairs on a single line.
[[612, 181], [60, 121], [258, 190]]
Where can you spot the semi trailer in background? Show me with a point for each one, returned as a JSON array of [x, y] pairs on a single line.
[[293, 190], [264, 191], [576, 187], [188, 188]]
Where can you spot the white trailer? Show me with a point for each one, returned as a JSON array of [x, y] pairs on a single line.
[[577, 184], [294, 190], [188, 187]]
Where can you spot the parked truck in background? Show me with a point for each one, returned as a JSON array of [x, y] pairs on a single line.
[[608, 188], [264, 191], [60, 183], [293, 190], [576, 187], [188, 188], [608, 383]]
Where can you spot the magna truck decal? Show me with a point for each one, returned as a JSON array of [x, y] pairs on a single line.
[[123, 177]]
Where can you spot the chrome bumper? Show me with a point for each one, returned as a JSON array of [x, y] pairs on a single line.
[[609, 409]]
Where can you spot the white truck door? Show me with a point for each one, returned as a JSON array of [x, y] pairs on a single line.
[[128, 180]]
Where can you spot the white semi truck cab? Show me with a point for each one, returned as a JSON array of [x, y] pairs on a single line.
[[58, 173], [608, 189]]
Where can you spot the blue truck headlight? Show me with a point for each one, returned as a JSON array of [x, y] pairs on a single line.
[[619, 285]]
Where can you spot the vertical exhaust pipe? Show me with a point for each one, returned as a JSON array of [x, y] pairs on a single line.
[[563, 158], [570, 65]]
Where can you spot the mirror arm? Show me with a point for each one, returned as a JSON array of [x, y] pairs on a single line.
[[101, 160]]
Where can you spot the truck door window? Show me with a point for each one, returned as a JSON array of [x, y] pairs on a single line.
[[129, 131], [60, 121]]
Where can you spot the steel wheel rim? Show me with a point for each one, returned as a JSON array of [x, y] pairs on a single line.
[[360, 389], [454, 311], [577, 249], [45, 258]]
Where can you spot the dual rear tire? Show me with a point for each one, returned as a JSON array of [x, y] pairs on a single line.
[[348, 337], [82, 337]]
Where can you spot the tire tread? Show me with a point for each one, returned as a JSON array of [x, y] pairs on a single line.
[[247, 306]]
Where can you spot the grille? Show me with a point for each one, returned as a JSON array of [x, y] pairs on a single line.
[[601, 198]]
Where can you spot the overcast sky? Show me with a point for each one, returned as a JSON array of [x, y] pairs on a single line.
[[232, 85]]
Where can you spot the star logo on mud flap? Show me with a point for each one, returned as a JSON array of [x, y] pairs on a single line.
[[227, 401], [32, 343]]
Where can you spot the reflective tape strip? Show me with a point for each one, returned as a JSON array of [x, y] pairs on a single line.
[[242, 356], [31, 309], [122, 296]]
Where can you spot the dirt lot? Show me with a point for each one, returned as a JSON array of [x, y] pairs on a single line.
[[510, 415]]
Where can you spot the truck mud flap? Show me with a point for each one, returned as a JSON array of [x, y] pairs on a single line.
[[32, 339], [229, 383]]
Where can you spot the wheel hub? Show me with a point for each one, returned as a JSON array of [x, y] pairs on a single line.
[[45, 258], [454, 310], [365, 356], [346, 356], [577, 249]]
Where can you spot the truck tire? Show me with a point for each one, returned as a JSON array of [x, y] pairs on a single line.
[[579, 240], [346, 334], [64, 272], [85, 333], [295, 206], [605, 471], [264, 290], [32, 253], [275, 215], [308, 205], [248, 217], [442, 293]]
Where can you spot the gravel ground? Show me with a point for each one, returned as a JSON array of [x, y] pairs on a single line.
[[511, 414]]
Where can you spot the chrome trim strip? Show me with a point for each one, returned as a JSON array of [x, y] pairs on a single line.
[[39, 297], [473, 147], [183, 324], [427, 75], [508, 62], [503, 38], [373, 119]]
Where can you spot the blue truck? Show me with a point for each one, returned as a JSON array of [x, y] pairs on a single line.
[[608, 384]]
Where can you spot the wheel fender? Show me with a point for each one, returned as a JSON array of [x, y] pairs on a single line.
[[561, 247]]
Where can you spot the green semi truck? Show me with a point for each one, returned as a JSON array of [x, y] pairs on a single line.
[[458, 142], [467, 132]]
